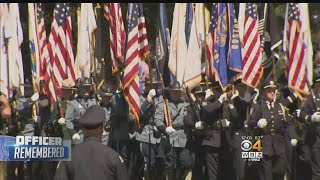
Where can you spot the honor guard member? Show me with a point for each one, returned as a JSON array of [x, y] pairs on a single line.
[[211, 119], [148, 135], [270, 119], [91, 159], [58, 115], [77, 107], [240, 104], [191, 122], [105, 95], [310, 115], [178, 156]]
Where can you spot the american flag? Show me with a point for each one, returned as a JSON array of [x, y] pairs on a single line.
[[252, 59], [117, 35], [42, 38], [210, 41], [60, 46], [296, 47], [137, 49]]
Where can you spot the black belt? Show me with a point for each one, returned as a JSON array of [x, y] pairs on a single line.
[[178, 127]]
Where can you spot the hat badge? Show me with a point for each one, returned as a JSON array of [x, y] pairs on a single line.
[[271, 82]]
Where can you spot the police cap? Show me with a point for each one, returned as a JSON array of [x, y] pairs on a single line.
[[85, 82], [105, 90], [93, 117], [270, 84], [199, 90]]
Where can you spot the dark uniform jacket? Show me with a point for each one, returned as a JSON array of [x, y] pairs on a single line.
[[274, 133], [313, 135], [91, 160]]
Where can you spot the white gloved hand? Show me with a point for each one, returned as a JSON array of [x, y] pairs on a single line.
[[225, 123], [35, 97], [204, 103], [76, 138], [223, 97], [170, 130], [236, 94], [298, 112], [295, 95], [152, 94], [208, 93], [262, 123], [294, 142], [62, 121], [199, 125], [315, 117], [247, 97]]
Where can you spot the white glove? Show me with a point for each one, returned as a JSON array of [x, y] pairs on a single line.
[[247, 97], [170, 130], [236, 94], [225, 123], [208, 93], [204, 103], [294, 142], [295, 95], [35, 97], [223, 97], [152, 94], [62, 121], [262, 123], [298, 112], [76, 138], [199, 125], [315, 117]]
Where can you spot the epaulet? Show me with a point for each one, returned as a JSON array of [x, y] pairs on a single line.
[[284, 108]]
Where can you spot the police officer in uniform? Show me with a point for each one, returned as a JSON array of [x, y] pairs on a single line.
[[310, 115], [240, 102], [148, 136], [270, 119], [178, 155], [190, 121], [77, 107], [105, 95], [102, 162], [211, 119]]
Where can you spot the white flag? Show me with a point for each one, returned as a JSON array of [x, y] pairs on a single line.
[[86, 26], [15, 36], [192, 73], [4, 15], [178, 43]]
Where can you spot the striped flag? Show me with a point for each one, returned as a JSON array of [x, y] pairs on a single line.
[[60, 46], [38, 43], [252, 52], [117, 35], [137, 49], [211, 41], [298, 47]]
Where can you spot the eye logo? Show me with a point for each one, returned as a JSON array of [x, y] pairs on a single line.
[[246, 145]]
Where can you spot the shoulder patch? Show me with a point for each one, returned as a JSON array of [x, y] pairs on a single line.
[[122, 161]]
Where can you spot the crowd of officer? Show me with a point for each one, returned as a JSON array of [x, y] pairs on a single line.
[[180, 131]]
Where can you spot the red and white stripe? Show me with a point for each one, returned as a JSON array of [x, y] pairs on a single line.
[[296, 45], [117, 35], [252, 52], [210, 47], [137, 48]]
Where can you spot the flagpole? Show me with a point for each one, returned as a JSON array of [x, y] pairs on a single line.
[[8, 67]]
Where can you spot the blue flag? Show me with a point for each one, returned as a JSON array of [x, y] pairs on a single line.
[[189, 18], [163, 45], [227, 56]]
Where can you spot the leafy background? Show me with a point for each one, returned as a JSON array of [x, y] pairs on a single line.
[[151, 15]]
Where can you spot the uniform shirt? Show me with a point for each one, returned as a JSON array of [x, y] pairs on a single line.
[[75, 109], [91, 160], [177, 113], [105, 135], [147, 121]]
